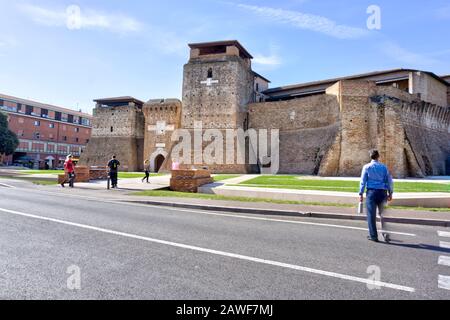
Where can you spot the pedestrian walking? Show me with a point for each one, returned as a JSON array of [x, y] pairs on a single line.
[[380, 189], [69, 170], [113, 166], [147, 171]]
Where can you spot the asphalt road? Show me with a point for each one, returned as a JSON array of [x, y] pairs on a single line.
[[130, 251]]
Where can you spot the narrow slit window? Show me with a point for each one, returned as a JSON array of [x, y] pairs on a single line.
[[210, 73]]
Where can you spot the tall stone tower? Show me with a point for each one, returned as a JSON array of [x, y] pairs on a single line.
[[118, 129], [218, 85]]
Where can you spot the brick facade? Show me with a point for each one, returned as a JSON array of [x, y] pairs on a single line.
[[45, 140]]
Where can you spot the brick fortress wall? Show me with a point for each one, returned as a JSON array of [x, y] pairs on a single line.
[[332, 134], [162, 118]]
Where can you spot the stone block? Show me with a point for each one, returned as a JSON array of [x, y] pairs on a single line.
[[189, 180]]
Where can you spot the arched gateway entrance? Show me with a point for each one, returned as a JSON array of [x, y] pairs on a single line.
[[157, 160]]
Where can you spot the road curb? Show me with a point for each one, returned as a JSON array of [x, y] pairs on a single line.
[[291, 213]]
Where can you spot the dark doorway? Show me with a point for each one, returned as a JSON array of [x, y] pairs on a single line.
[[159, 160]]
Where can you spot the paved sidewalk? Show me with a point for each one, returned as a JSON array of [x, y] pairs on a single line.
[[134, 184], [427, 200]]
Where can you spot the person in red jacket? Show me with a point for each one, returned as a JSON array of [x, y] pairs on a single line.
[[69, 169]]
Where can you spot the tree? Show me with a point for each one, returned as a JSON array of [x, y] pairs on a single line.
[[8, 139]]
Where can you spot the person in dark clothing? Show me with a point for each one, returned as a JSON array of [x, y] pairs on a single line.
[[147, 171], [113, 166]]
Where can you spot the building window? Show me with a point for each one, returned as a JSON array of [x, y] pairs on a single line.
[[37, 123], [28, 110], [51, 125], [44, 113], [257, 87], [77, 130], [210, 73], [87, 141], [65, 138], [112, 129], [37, 136], [77, 140]]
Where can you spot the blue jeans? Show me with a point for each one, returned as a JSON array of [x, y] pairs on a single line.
[[375, 199]]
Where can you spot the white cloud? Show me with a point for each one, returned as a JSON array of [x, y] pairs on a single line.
[[272, 60], [307, 22], [7, 42], [87, 19], [405, 56], [166, 41]]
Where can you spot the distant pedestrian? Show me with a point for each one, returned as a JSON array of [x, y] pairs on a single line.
[[147, 171], [380, 189], [69, 170], [113, 165]]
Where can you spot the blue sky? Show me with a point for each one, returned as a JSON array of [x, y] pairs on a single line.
[[138, 48]]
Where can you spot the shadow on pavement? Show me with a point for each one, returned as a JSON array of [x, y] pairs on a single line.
[[422, 246]]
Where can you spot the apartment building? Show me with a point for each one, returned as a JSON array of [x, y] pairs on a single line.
[[47, 133]]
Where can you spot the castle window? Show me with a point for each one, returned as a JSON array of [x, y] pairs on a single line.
[[210, 73], [112, 129]]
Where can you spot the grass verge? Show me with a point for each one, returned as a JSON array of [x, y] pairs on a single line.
[[122, 175], [173, 194], [34, 181]]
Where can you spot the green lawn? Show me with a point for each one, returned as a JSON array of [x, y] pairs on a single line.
[[222, 177], [122, 175], [168, 193], [298, 183], [34, 181], [33, 172]]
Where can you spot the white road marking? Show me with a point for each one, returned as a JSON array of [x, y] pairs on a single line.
[[7, 186], [445, 245], [444, 234], [444, 261], [218, 253], [444, 282], [224, 214]]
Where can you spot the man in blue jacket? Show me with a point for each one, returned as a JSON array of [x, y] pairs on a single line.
[[380, 189]]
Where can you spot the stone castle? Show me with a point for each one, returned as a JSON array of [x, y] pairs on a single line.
[[325, 128]]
